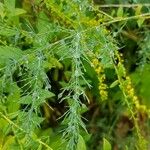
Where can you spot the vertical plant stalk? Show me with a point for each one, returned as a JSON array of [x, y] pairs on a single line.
[[34, 136], [130, 98], [73, 117]]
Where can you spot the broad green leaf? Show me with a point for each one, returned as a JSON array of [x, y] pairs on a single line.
[[51, 63], [43, 95], [40, 147], [115, 83], [3, 125], [126, 147], [36, 120], [56, 142], [140, 21], [142, 79], [46, 132], [83, 109], [46, 94], [7, 31], [106, 145], [12, 101], [44, 30], [19, 11], [8, 53], [26, 100], [10, 140], [10, 4], [2, 13], [120, 12], [43, 23], [138, 10], [81, 144]]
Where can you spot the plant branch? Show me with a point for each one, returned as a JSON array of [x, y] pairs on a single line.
[[124, 5], [16, 126]]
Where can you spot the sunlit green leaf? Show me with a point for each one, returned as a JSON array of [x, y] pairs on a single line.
[[120, 12], [81, 144], [115, 83], [106, 145]]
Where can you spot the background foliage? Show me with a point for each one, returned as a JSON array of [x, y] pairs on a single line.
[[74, 75]]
